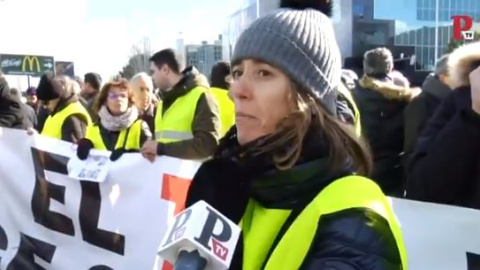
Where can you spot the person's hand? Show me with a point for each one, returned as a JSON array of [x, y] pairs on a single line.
[[83, 148], [116, 154], [149, 150], [31, 131], [474, 78]]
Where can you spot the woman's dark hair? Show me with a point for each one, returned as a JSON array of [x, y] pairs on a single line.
[[219, 74], [103, 95], [344, 144]]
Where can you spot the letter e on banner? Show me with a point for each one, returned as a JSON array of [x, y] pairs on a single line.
[[174, 189]]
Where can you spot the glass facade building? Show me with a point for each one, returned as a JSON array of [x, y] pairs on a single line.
[[420, 29]]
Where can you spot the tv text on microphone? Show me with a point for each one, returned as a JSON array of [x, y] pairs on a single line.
[[203, 230]]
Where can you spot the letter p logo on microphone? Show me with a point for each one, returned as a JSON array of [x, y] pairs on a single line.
[[201, 227]]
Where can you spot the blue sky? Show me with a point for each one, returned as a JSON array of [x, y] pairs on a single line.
[[98, 34]]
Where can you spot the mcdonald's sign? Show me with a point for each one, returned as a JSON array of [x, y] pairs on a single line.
[[32, 65]]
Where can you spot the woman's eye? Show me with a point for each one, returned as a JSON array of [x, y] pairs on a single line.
[[236, 74], [264, 73]]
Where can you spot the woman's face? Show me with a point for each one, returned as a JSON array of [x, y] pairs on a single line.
[[117, 101], [262, 97]]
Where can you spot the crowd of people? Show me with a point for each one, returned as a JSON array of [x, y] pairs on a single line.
[[281, 130]]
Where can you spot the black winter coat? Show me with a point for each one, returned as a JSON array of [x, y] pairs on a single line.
[[445, 167], [381, 114], [421, 109], [350, 240], [12, 113]]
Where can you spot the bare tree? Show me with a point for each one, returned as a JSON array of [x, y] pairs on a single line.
[[140, 54]]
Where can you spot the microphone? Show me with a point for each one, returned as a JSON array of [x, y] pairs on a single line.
[[200, 238]]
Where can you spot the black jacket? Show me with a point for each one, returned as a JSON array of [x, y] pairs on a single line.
[[421, 108], [12, 113], [381, 105], [149, 117], [350, 240], [110, 138], [74, 126], [206, 123], [445, 167]]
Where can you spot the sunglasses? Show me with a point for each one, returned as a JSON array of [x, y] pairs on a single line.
[[113, 95]]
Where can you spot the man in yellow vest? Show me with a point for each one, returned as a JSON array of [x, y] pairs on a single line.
[[68, 119], [220, 80], [186, 121]]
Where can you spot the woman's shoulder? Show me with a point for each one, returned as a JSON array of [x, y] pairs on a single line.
[[359, 237]]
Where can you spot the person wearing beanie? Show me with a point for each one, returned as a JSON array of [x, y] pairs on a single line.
[[119, 128], [220, 80], [92, 82], [68, 118], [290, 170], [381, 96]]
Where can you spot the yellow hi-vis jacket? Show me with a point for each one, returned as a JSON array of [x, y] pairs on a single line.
[[260, 226], [53, 124], [176, 123]]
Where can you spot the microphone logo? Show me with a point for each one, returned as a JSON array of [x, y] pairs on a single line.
[[219, 250]]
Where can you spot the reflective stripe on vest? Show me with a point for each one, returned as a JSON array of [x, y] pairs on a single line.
[[226, 109], [176, 123], [343, 90], [260, 226], [53, 124], [132, 141]]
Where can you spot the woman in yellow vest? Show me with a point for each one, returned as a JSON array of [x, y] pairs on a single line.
[[220, 80], [119, 128], [68, 119], [291, 173]]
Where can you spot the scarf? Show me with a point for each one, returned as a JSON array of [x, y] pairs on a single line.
[[117, 123]]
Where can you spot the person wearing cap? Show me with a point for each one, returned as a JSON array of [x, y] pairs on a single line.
[[291, 172], [220, 80], [434, 90], [68, 118], [40, 110], [381, 96]]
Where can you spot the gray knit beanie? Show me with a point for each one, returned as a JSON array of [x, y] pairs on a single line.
[[300, 41]]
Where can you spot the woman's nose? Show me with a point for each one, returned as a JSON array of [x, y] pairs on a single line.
[[240, 89]]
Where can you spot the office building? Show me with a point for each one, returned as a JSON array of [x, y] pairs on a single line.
[[180, 48], [204, 56], [410, 28]]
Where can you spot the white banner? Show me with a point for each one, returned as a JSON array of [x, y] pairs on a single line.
[[51, 221]]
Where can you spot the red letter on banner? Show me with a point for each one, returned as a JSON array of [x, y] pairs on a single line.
[[174, 189]]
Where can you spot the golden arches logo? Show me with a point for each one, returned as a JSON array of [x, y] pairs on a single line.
[[32, 62]]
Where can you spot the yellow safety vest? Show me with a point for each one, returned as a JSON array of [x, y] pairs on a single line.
[[53, 124], [176, 123], [129, 138], [343, 90], [226, 109], [260, 226]]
